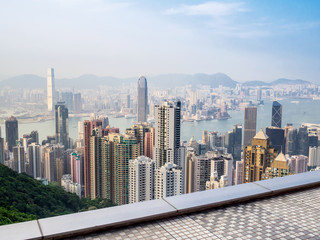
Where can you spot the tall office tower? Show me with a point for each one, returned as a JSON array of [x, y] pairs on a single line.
[[303, 141], [278, 168], [62, 124], [314, 157], [149, 141], [139, 130], [19, 162], [75, 167], [250, 125], [291, 140], [259, 93], [77, 104], [59, 170], [257, 157], [197, 172], [238, 179], [205, 140], [50, 89], [142, 101], [167, 129], [141, 179], [34, 153], [124, 148], [87, 130], [11, 132], [276, 136], [276, 114], [128, 100], [168, 181], [222, 164], [298, 164], [67, 97], [237, 142]]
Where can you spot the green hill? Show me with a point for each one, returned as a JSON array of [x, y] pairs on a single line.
[[23, 198]]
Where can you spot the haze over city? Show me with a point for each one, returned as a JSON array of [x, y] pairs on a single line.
[[248, 40]]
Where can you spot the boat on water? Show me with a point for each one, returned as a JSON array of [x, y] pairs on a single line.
[[128, 116], [296, 102]]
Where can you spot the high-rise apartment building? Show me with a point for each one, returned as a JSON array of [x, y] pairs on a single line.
[[124, 148], [2, 156], [233, 142], [50, 89], [168, 181], [34, 154], [238, 178], [61, 119], [19, 161], [149, 141], [140, 129], [276, 114], [167, 133], [11, 124], [87, 132], [257, 157], [142, 101], [141, 179], [298, 164], [222, 164], [250, 125], [314, 157], [278, 168]]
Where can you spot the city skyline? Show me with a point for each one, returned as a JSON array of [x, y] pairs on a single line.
[[246, 40]]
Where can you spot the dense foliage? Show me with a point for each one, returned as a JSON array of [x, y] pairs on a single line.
[[23, 198]]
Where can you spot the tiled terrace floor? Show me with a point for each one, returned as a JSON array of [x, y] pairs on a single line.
[[288, 216]]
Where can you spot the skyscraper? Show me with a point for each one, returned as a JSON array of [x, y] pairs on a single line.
[[19, 162], [50, 89], [250, 125], [142, 101], [141, 179], [276, 136], [291, 140], [257, 157], [62, 124], [303, 141], [276, 114], [11, 132], [167, 133], [168, 181], [34, 153]]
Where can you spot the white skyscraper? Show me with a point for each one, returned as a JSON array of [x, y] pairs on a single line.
[[141, 179], [50, 89], [168, 181], [34, 153], [167, 133], [314, 157]]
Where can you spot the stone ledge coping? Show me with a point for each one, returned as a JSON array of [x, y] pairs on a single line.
[[119, 216]]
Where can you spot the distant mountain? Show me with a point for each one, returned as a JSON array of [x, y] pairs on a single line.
[[91, 81], [176, 80], [289, 82], [24, 81], [279, 81]]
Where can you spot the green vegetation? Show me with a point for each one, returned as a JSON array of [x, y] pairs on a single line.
[[23, 198]]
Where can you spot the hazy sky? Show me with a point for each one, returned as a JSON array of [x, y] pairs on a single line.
[[248, 40]]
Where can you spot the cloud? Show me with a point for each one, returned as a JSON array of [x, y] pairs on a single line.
[[212, 9]]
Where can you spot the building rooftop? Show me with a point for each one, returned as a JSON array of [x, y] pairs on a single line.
[[280, 208], [261, 135], [281, 157]]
